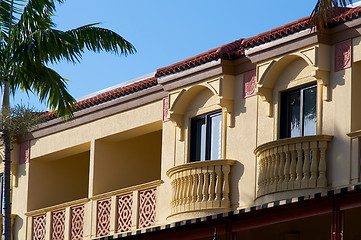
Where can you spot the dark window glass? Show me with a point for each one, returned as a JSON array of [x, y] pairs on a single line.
[[298, 112], [205, 137]]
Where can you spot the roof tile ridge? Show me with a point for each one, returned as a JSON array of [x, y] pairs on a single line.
[[108, 96], [277, 32], [345, 14], [226, 50]]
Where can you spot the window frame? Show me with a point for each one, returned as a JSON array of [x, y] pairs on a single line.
[[194, 148], [284, 115]]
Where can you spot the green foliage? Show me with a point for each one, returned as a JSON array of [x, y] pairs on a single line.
[[19, 120], [29, 41]]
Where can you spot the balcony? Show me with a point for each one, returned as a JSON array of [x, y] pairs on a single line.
[[292, 164], [105, 214], [200, 186]]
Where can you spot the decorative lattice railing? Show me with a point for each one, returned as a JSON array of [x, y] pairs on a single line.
[[126, 209], [200, 185], [114, 212], [292, 163]]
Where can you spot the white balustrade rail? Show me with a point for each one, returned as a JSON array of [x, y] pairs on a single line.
[[200, 185], [292, 163]]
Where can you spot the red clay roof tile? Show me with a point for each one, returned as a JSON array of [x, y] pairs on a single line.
[[230, 51], [108, 96]]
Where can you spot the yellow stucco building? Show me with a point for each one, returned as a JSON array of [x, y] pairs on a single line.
[[257, 138]]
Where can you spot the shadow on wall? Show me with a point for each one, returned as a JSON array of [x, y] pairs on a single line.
[[19, 222], [236, 174]]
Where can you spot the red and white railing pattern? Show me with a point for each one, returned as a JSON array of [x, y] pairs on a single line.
[[126, 209], [125, 204], [39, 231], [147, 200], [60, 222], [106, 214], [77, 222], [58, 225], [103, 217]]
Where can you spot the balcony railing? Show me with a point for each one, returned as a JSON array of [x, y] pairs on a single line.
[[114, 212], [292, 163], [200, 185]]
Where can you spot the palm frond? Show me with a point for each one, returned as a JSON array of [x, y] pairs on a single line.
[[46, 83], [326, 9], [34, 42], [98, 39], [9, 12]]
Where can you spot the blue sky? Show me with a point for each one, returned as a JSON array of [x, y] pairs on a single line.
[[163, 32]]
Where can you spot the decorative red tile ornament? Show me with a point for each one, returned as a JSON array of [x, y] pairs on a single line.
[[249, 83], [165, 109], [39, 223], [125, 203], [77, 222], [147, 200], [58, 225], [103, 217], [343, 55], [24, 152]]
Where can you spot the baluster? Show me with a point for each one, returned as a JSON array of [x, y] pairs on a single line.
[[212, 184], [287, 167], [190, 187], [218, 185], [281, 169], [173, 191], [178, 190], [314, 165], [200, 185], [225, 200], [299, 166], [205, 186], [292, 167], [276, 157], [260, 175], [186, 185], [267, 171], [194, 188], [183, 192], [272, 167], [322, 179], [187, 190], [306, 165]]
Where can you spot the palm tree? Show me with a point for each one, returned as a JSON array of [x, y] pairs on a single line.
[[28, 42], [325, 9]]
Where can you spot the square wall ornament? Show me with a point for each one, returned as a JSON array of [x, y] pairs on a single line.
[[24, 152], [343, 55], [249, 83], [165, 109]]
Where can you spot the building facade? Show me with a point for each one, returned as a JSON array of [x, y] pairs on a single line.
[[257, 138]]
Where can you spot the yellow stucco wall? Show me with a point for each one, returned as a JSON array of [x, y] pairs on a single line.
[[135, 147]]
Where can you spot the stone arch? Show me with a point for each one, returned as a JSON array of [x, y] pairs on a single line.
[[269, 78], [268, 73], [220, 87]]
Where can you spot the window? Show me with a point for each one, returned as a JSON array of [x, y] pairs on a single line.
[[298, 112], [206, 137]]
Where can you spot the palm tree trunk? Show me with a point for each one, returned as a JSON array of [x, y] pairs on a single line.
[[5, 106]]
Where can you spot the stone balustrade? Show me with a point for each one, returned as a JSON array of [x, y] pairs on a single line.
[[113, 212], [292, 163], [200, 185]]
